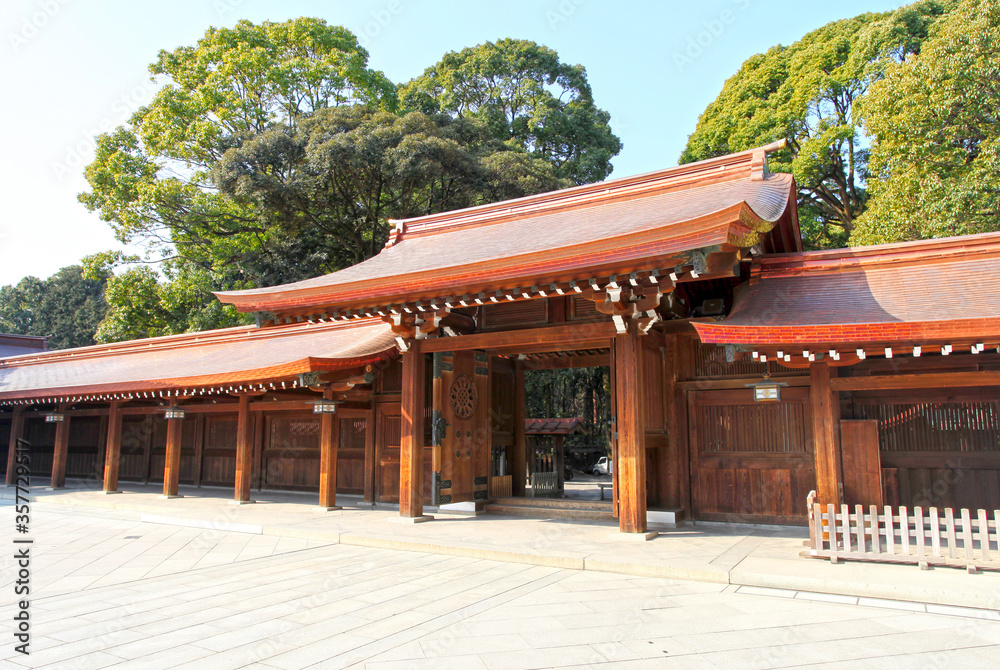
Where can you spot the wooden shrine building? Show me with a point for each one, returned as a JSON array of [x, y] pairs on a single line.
[[744, 372]]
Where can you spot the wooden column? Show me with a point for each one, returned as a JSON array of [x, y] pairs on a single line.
[[113, 448], [412, 438], [328, 442], [59, 452], [631, 465], [672, 408], [172, 458], [16, 425], [519, 450], [825, 421], [244, 451], [560, 462]]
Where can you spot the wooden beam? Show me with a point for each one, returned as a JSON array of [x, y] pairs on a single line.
[[172, 458], [738, 383], [629, 424], [567, 362], [412, 437], [244, 450], [113, 447], [519, 454], [825, 424], [16, 427], [328, 443], [59, 452], [918, 381], [564, 337]]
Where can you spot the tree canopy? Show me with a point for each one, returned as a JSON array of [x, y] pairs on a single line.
[[272, 153], [806, 93], [526, 98], [935, 123], [66, 307]]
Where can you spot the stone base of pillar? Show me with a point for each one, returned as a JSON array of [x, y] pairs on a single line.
[[242, 502], [110, 493], [169, 497], [320, 508]]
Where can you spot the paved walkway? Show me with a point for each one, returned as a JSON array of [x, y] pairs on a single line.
[[746, 556], [113, 591]]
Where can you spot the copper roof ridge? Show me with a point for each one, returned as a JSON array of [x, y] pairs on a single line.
[[879, 254], [588, 194], [180, 340]]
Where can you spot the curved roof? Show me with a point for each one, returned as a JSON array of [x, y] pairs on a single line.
[[931, 291], [729, 201], [232, 355]]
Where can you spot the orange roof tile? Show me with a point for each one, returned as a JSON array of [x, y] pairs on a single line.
[[926, 291], [653, 218], [229, 356]]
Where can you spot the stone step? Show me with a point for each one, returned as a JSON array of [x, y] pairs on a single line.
[[555, 503], [550, 512]]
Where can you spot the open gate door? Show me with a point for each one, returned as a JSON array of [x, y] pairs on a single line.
[[461, 434]]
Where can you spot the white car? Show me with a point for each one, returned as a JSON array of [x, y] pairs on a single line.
[[603, 466]]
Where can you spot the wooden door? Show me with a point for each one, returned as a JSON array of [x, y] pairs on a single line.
[[750, 461], [387, 440], [352, 434], [862, 466], [464, 430]]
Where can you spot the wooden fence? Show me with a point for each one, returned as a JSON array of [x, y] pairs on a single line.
[[544, 484], [920, 536], [501, 487]]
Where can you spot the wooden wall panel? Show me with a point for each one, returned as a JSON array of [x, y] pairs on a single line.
[[750, 462], [353, 431], [42, 438], [861, 463], [4, 443], [388, 425], [504, 315], [936, 449], [290, 459], [218, 465], [84, 446], [135, 441]]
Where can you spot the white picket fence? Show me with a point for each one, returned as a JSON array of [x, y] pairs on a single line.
[[920, 536]]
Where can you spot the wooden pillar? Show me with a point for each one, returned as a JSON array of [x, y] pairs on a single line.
[[113, 448], [244, 451], [560, 462], [825, 421], [172, 458], [16, 426], [59, 452], [672, 409], [518, 457], [328, 442], [631, 465], [412, 439]]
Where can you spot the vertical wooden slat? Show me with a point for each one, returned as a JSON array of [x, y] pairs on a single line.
[[935, 531], [199, 446], [831, 520], [918, 525], [859, 512], [59, 452], [113, 448], [890, 531], [904, 531], [876, 530], [984, 535], [967, 532], [411, 500], [518, 457], [244, 450], [630, 467], [949, 526], [845, 528], [817, 527]]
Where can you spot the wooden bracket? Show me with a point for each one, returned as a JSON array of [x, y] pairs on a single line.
[[631, 303]]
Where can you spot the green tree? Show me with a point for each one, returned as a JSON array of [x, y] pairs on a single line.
[[526, 98], [806, 93], [67, 307], [152, 179], [935, 120]]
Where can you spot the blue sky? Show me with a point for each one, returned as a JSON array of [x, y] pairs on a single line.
[[69, 68]]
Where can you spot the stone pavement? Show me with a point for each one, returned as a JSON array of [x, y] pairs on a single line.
[[114, 591], [744, 556]]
